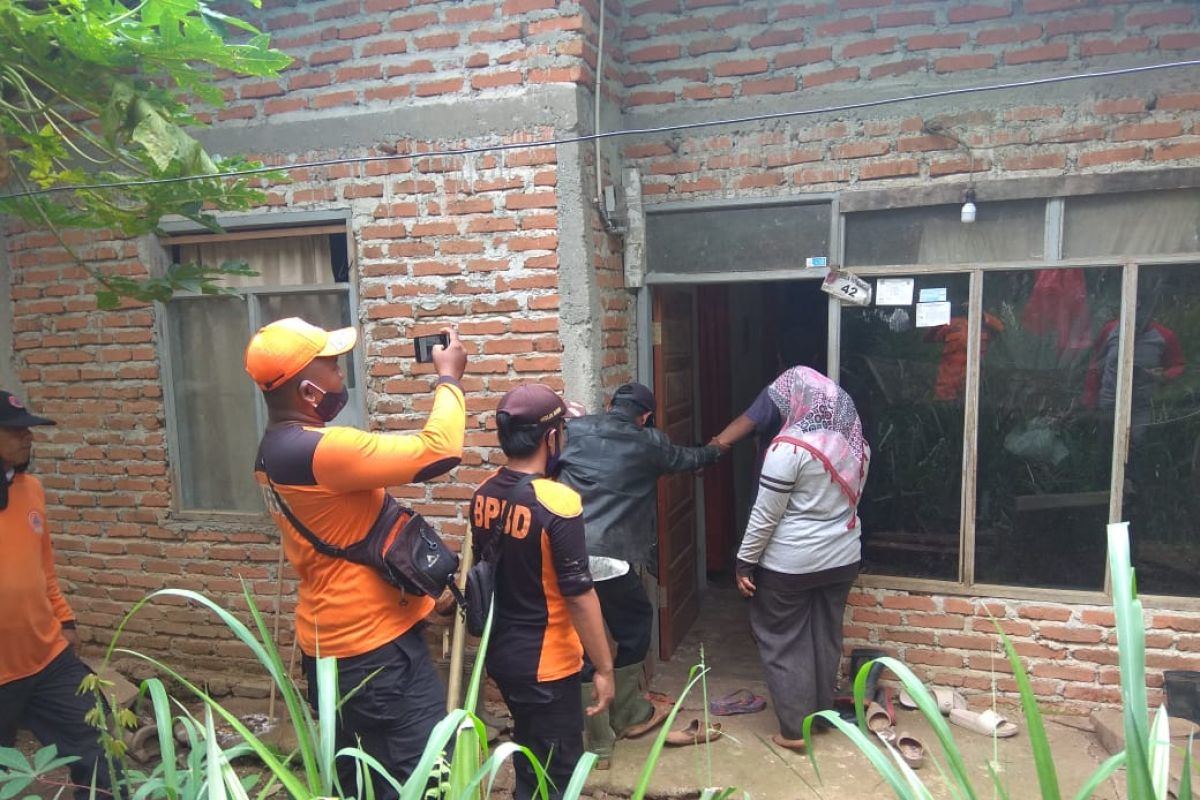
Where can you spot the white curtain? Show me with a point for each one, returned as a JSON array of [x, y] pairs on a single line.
[[1142, 223], [290, 261]]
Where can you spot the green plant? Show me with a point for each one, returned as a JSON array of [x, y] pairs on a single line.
[[18, 773], [103, 92], [1146, 757], [308, 772]]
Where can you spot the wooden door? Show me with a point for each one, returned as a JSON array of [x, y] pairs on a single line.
[[674, 388]]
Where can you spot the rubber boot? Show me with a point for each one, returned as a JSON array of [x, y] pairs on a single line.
[[629, 706], [598, 734]]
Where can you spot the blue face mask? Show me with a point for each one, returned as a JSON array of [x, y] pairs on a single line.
[[331, 403]]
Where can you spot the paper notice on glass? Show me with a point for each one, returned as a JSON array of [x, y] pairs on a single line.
[[930, 315], [933, 295], [894, 291]]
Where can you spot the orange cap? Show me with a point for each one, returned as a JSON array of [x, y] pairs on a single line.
[[280, 350]]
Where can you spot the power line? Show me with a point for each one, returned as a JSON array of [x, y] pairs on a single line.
[[593, 137]]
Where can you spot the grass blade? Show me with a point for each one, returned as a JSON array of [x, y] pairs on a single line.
[[370, 762], [263, 653], [928, 708], [216, 782], [268, 757], [327, 702], [643, 784], [1185, 779], [878, 760], [996, 782], [1103, 773], [1043, 758], [1160, 754], [579, 776], [1131, 652], [166, 734]]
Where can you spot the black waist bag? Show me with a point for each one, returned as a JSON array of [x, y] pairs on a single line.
[[412, 558]]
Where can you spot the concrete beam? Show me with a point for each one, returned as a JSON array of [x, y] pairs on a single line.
[[552, 106]]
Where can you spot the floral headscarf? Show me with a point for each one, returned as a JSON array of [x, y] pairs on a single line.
[[820, 417]]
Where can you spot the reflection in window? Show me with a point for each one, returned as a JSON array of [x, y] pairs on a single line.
[[1045, 427], [1136, 223], [740, 239], [1162, 476], [907, 383], [217, 430], [1003, 231]]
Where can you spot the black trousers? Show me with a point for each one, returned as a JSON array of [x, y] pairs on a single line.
[[47, 704], [629, 617], [798, 628], [548, 719], [392, 715]]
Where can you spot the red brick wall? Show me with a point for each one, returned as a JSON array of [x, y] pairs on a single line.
[[1069, 651], [706, 52], [361, 54], [479, 246]]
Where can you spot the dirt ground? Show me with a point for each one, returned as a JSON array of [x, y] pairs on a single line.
[[745, 757]]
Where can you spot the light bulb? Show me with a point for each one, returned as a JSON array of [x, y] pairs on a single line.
[[968, 208]]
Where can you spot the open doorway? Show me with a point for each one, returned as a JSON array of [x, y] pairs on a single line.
[[717, 346]]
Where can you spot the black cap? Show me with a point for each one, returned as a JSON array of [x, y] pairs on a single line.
[[532, 405], [13, 413], [637, 394]]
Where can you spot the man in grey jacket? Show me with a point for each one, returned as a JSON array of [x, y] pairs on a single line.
[[614, 461]]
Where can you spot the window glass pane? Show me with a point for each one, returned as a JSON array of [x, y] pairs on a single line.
[[327, 310], [1046, 427], [1135, 223], [288, 261], [214, 404], [908, 384], [737, 239], [1162, 478], [1003, 231]]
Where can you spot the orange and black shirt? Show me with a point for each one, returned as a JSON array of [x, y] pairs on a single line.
[[542, 560], [333, 479], [32, 608]]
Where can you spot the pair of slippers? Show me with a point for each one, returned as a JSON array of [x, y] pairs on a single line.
[[954, 706], [881, 720]]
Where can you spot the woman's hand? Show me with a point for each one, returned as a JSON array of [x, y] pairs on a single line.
[[745, 585]]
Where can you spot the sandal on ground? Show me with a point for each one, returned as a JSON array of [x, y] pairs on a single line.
[[143, 745], [658, 714], [878, 718], [692, 734], [743, 701], [948, 700], [987, 723], [911, 749], [795, 745]]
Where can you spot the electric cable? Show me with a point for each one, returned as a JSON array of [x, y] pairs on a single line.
[[618, 133]]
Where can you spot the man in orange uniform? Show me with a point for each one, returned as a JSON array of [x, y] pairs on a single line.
[[39, 670], [333, 480], [546, 612]]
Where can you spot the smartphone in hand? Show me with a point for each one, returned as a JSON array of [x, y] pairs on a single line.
[[424, 346]]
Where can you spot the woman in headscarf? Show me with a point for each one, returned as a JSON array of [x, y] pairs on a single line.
[[801, 551]]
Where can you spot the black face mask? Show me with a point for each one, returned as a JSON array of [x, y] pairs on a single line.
[[331, 403], [6, 481], [554, 459]]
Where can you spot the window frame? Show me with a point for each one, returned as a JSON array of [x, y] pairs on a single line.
[[247, 227], [1056, 195]]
